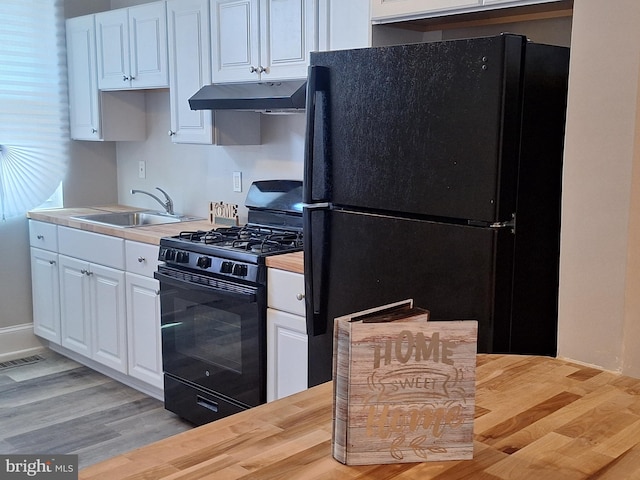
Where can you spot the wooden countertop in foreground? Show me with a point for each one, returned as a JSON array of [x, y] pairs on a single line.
[[536, 418]]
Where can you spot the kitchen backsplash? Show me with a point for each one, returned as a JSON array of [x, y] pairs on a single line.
[[195, 175]]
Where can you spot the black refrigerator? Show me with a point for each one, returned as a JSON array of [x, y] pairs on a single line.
[[433, 172]]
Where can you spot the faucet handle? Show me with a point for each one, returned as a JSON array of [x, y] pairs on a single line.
[[168, 203]]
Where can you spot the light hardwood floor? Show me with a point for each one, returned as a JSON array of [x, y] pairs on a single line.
[[58, 406]]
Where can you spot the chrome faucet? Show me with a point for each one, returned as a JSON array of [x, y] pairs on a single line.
[[168, 204]]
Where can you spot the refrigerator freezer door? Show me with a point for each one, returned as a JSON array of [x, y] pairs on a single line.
[[428, 129], [358, 261]]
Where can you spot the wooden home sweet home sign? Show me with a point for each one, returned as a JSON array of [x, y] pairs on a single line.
[[404, 387]]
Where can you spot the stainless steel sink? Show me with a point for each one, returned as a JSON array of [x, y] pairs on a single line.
[[133, 219]]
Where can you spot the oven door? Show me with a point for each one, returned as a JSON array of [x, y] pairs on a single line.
[[214, 335]]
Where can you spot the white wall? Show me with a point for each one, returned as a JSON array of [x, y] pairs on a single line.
[[599, 313], [195, 175], [91, 180], [15, 274]]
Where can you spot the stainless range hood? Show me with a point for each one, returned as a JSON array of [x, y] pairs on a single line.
[[268, 96]]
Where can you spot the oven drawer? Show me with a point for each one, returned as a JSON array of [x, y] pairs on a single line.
[[195, 405], [285, 291]]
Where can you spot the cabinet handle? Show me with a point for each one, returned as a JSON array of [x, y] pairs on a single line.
[[125, 78], [83, 271], [262, 69], [171, 133], [141, 259], [132, 77], [52, 262], [93, 130], [253, 69], [157, 292], [300, 296], [40, 237]]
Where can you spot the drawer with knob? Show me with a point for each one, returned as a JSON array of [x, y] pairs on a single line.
[[43, 235], [285, 291], [141, 258]]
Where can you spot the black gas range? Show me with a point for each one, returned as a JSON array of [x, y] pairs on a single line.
[[213, 305], [232, 252]]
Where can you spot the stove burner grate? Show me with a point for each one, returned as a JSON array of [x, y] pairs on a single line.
[[248, 238]]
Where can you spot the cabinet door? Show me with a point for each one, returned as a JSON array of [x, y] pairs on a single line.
[[515, 3], [287, 354], [84, 99], [288, 35], [143, 329], [395, 9], [108, 316], [112, 39], [148, 45], [344, 25], [45, 288], [235, 40], [75, 305], [190, 60]]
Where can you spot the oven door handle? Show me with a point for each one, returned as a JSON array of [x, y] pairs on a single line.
[[165, 279]]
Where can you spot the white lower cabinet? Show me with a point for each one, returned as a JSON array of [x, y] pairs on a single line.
[[286, 354], [143, 313], [287, 345], [96, 301], [143, 329], [45, 286], [46, 294], [93, 311]]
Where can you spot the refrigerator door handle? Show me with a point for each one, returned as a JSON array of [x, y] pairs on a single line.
[[316, 268], [509, 224], [317, 81]]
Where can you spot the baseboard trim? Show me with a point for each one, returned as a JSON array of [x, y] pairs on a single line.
[[139, 385], [18, 341]]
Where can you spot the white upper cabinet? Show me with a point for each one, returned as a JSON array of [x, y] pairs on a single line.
[[132, 47], [381, 9], [394, 10], [96, 115], [235, 40], [84, 98], [344, 24], [262, 40], [190, 69], [288, 33]]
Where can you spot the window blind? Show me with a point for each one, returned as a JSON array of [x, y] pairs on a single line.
[[34, 124]]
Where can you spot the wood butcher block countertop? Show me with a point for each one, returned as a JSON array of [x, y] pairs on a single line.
[[146, 234], [292, 262], [536, 418]]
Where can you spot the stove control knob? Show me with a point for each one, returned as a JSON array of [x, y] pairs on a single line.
[[169, 254], [182, 257], [226, 267], [240, 270], [203, 262]]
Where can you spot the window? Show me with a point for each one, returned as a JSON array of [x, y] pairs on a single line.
[[34, 125]]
